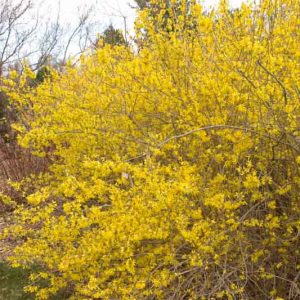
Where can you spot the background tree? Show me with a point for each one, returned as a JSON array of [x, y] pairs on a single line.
[[142, 4], [111, 36], [16, 30]]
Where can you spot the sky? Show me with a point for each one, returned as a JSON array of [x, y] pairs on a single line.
[[104, 12]]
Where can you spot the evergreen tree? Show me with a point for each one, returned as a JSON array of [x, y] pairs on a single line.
[[111, 36]]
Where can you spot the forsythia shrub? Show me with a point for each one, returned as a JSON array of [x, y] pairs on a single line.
[[175, 170]]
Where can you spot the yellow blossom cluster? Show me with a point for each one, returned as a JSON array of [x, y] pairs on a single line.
[[174, 171]]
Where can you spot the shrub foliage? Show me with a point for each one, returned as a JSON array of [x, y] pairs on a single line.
[[175, 170]]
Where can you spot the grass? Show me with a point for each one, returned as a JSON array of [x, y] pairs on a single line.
[[12, 282]]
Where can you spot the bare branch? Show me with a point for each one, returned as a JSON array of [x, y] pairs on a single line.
[[12, 34], [83, 18], [285, 94]]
